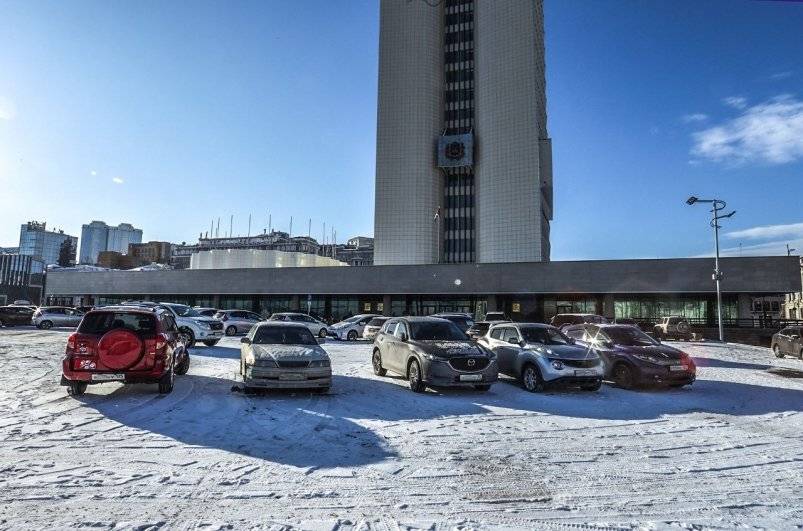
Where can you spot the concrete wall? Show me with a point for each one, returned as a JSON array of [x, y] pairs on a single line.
[[778, 274], [409, 120]]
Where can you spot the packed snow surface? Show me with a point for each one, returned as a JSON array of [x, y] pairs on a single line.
[[726, 452]]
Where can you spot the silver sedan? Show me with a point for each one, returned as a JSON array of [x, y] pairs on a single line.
[[280, 355]]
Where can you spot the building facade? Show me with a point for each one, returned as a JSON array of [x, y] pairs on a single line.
[[151, 252], [464, 167], [47, 247], [21, 278], [793, 302], [97, 236]]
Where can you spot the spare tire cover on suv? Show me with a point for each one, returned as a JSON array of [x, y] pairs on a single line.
[[683, 327], [120, 349]]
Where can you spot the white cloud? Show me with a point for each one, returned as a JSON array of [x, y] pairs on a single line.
[[781, 75], [695, 117], [769, 132], [7, 109], [737, 102], [93, 172], [117, 180], [765, 232]]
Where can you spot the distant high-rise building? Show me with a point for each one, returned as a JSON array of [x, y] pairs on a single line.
[[47, 247], [98, 236], [463, 161]]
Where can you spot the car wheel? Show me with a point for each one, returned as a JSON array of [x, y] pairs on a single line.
[[593, 387], [777, 351], [322, 332], [531, 379], [231, 330], [414, 376], [45, 325], [211, 343], [482, 388], [184, 366], [187, 337], [376, 361], [623, 376], [352, 335], [76, 388], [166, 381]]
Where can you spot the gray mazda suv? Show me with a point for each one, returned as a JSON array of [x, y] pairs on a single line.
[[432, 352]]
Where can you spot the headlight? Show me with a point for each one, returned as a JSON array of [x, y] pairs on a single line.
[[319, 363], [557, 364], [647, 358]]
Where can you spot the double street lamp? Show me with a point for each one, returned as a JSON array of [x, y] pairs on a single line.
[[718, 205]]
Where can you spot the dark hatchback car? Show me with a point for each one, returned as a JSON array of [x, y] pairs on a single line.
[[124, 344], [429, 351], [462, 320], [788, 342], [632, 358], [15, 315]]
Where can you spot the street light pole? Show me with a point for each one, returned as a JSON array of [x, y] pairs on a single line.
[[717, 205]]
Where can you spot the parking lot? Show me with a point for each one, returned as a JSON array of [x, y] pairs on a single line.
[[371, 454]]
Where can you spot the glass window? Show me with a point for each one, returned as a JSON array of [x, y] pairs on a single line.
[[283, 335], [496, 333], [401, 330], [98, 323], [436, 331], [544, 335]]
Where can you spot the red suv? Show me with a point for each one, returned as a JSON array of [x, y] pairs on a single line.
[[124, 344]]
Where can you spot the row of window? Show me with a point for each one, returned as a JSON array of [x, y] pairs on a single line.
[[459, 75], [459, 56], [459, 201], [453, 37], [459, 223], [451, 115], [458, 18], [452, 96]]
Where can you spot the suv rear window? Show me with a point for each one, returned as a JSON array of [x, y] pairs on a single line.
[[377, 321], [99, 323]]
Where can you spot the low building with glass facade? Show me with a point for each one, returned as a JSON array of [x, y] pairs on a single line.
[[21, 278], [533, 291]]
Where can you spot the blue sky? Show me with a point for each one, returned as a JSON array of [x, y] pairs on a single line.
[[169, 114]]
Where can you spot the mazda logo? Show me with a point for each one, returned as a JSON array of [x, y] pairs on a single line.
[[471, 362]]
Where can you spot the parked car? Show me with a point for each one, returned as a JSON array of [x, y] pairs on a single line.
[[625, 321], [429, 351], [633, 358], [352, 328], [788, 341], [463, 320], [237, 321], [206, 312], [314, 325], [372, 328], [15, 315], [49, 316], [124, 344], [673, 328], [478, 329], [563, 320], [540, 355], [281, 355], [192, 326], [496, 316]]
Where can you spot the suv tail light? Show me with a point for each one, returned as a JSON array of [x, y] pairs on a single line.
[[81, 345], [156, 345]]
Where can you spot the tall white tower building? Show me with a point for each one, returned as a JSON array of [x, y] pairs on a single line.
[[464, 165]]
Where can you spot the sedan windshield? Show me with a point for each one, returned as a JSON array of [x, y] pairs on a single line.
[[281, 335], [544, 335], [436, 331], [628, 336]]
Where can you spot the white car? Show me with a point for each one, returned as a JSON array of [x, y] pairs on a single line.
[[315, 326], [192, 326], [352, 328]]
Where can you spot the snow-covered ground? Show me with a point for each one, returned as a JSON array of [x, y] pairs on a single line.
[[726, 452]]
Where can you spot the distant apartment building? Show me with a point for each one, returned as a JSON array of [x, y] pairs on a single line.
[[98, 236], [139, 254], [47, 247]]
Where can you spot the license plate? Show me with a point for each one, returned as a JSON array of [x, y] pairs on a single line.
[[107, 377], [470, 377], [677, 368], [292, 376], [585, 372]]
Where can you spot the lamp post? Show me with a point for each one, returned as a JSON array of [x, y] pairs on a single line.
[[717, 205]]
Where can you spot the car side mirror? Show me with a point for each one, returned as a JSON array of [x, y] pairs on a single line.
[[321, 340], [522, 343], [245, 340]]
